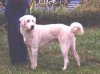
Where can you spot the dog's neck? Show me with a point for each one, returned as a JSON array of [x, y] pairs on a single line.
[[26, 33]]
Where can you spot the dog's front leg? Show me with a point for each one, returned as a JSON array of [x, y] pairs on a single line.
[[33, 59], [75, 54]]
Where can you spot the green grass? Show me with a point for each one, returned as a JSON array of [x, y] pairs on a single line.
[[50, 60]]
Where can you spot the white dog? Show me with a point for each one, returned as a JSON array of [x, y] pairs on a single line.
[[38, 35]]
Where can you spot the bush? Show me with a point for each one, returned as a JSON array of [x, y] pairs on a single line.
[[88, 16]]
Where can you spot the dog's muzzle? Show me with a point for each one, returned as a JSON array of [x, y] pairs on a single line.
[[32, 27]]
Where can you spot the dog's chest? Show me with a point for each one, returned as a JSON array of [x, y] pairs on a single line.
[[28, 38]]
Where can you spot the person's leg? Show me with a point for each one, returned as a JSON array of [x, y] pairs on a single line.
[[22, 49], [17, 48]]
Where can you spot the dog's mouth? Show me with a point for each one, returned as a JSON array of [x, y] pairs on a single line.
[[32, 27], [28, 29]]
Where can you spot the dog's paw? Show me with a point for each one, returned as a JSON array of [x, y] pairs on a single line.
[[78, 64], [33, 67], [64, 68]]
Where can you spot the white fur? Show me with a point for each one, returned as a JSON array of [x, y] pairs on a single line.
[[43, 34]]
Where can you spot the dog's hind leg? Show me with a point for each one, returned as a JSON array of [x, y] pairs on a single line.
[[64, 50], [75, 54]]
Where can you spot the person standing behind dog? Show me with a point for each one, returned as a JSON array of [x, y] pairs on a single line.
[[14, 9]]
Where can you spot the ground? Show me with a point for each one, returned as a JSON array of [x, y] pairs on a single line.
[[50, 60]]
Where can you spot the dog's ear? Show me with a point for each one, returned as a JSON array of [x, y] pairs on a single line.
[[22, 20]]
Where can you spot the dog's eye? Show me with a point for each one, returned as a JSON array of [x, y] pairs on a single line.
[[28, 20], [32, 20]]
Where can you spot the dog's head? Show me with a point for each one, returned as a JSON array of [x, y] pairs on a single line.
[[27, 22]]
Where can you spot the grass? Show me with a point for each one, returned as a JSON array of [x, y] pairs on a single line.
[[50, 59]]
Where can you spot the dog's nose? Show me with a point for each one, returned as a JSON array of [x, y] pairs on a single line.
[[32, 27]]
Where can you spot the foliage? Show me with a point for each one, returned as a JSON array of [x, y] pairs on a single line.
[[94, 3], [88, 13], [1, 0], [85, 15]]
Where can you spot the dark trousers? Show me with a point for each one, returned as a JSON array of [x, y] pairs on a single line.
[[17, 48]]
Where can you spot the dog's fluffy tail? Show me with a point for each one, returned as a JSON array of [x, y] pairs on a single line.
[[77, 28]]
